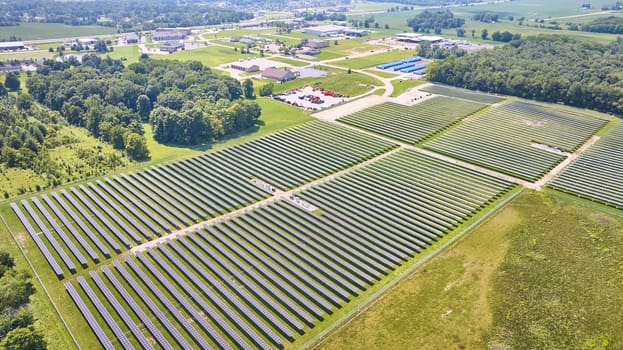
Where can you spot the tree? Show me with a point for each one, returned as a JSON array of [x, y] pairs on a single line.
[[349, 71], [386, 26], [23, 339], [460, 32], [335, 42], [143, 107], [267, 90], [136, 147], [15, 290], [473, 32], [12, 82], [247, 88], [484, 34], [3, 91], [100, 46]]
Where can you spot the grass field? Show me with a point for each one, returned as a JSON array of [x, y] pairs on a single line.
[[337, 80], [129, 54], [401, 86], [209, 56], [384, 56], [26, 55], [294, 63], [40, 31], [517, 281]]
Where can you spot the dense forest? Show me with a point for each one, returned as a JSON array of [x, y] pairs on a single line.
[[611, 25], [434, 20], [185, 102], [545, 68], [16, 321], [125, 14]]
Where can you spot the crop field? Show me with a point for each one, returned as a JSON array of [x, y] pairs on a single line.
[[336, 80], [463, 94], [519, 138], [117, 213], [39, 31], [264, 278], [597, 173], [412, 124]]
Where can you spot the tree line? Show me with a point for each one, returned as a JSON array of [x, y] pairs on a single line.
[[547, 68], [126, 14], [17, 331], [434, 20], [185, 102], [610, 25]]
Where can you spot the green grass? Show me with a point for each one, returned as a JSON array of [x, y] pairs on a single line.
[[347, 47], [294, 63], [337, 80], [382, 74], [130, 53], [40, 31], [401, 86], [26, 55], [383, 56], [210, 56], [543, 273]]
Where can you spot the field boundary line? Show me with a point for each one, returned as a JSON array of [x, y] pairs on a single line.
[[45, 290], [379, 294]]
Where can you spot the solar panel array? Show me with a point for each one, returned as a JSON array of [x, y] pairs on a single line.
[[503, 138], [412, 124], [109, 216], [263, 278], [597, 174], [464, 94]]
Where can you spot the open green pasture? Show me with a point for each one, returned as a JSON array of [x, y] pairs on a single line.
[[41, 31]]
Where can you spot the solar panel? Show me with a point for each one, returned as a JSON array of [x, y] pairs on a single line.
[[99, 332]]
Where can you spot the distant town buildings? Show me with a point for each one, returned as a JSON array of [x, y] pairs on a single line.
[[169, 34], [333, 30]]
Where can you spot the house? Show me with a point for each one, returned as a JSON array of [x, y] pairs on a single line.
[[245, 67], [317, 44], [278, 74], [132, 38], [171, 46], [12, 45]]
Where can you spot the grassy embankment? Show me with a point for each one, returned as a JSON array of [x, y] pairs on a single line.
[[543, 273]]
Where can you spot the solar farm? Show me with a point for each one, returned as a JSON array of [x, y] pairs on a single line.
[[412, 124], [518, 138], [597, 173], [267, 243]]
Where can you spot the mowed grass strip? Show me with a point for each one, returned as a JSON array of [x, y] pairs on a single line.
[[412, 124], [540, 274]]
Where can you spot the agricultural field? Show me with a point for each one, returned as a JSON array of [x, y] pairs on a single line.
[[596, 174], [42, 31], [295, 63], [538, 274], [463, 94], [412, 124], [318, 262], [128, 54], [532, 141]]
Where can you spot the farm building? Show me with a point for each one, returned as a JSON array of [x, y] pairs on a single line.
[[12, 45], [132, 38], [317, 44], [87, 41], [245, 66], [171, 46], [417, 38], [328, 30], [278, 74]]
